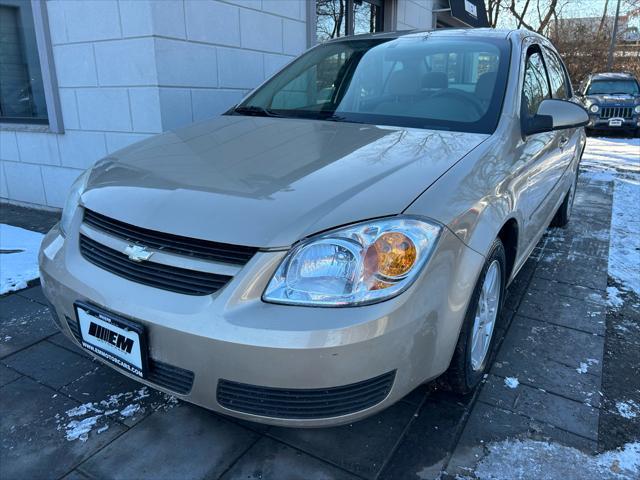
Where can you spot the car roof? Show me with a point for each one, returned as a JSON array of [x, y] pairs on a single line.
[[517, 35], [441, 32], [612, 76]]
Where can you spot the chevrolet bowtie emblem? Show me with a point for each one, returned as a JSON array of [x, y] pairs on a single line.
[[137, 253]]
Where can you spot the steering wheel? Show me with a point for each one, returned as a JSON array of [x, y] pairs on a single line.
[[460, 95]]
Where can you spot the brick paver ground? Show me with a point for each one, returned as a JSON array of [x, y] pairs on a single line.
[[554, 324]]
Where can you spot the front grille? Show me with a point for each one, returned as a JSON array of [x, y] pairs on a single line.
[[166, 277], [162, 374], [304, 403], [191, 247], [617, 112]]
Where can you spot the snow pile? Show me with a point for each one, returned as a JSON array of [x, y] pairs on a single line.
[[18, 257], [117, 407], [609, 158], [624, 249], [534, 460], [618, 159]]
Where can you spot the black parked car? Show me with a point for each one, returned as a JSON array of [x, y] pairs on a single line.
[[613, 102]]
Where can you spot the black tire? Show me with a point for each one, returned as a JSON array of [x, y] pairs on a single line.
[[562, 216], [461, 377]]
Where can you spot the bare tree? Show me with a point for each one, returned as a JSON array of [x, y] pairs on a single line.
[[546, 10], [604, 17], [582, 42], [493, 11], [330, 18]]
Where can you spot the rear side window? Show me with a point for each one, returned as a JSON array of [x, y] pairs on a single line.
[[557, 76], [536, 86]]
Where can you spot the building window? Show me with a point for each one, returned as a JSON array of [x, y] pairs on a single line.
[[22, 95], [338, 18]]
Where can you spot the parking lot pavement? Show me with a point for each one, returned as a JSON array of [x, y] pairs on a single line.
[[65, 415]]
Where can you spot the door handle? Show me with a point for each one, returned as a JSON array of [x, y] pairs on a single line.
[[563, 141]]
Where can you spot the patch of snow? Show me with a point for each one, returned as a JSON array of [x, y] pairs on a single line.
[[596, 298], [98, 414], [79, 429], [624, 247], [511, 382], [81, 410], [584, 366], [18, 257], [618, 159], [533, 460], [102, 429], [130, 410], [614, 299], [628, 409], [608, 158]]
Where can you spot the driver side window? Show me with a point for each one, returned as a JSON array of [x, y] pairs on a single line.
[[536, 86]]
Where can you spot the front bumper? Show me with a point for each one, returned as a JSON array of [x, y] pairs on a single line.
[[598, 123], [233, 336]]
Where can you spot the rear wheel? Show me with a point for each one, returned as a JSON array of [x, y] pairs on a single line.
[[477, 340], [563, 214]]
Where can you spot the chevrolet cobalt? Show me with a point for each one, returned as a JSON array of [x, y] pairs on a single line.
[[341, 236]]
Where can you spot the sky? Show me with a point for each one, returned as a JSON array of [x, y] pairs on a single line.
[[579, 8]]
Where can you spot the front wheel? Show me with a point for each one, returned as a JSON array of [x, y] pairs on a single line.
[[477, 340]]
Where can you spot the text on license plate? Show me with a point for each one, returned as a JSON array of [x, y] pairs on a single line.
[[103, 337], [615, 122]]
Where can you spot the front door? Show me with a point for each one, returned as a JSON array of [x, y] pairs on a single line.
[[540, 154]]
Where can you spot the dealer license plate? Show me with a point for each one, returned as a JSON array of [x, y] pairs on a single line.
[[117, 340], [615, 122]]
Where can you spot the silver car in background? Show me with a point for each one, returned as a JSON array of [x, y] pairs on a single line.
[[343, 235]]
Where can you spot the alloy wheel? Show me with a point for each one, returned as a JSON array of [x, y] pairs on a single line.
[[486, 315]]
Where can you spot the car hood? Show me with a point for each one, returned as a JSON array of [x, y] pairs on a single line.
[[267, 182], [613, 100]]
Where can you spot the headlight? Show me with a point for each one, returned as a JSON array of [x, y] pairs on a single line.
[[637, 109], [594, 108], [364, 263], [70, 206]]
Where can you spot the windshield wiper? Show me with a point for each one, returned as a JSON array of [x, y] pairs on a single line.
[[333, 117], [255, 111]]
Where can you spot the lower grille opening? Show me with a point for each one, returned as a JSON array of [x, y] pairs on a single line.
[[304, 403], [167, 376]]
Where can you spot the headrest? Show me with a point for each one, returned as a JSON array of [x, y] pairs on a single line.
[[484, 87], [435, 80], [402, 82]]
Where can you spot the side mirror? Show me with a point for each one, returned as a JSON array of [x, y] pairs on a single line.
[[556, 115]]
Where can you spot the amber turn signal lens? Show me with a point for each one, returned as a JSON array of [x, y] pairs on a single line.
[[395, 254]]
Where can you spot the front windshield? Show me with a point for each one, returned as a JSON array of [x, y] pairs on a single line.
[[600, 87], [416, 81]]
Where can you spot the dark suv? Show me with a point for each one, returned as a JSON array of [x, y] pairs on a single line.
[[613, 102]]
